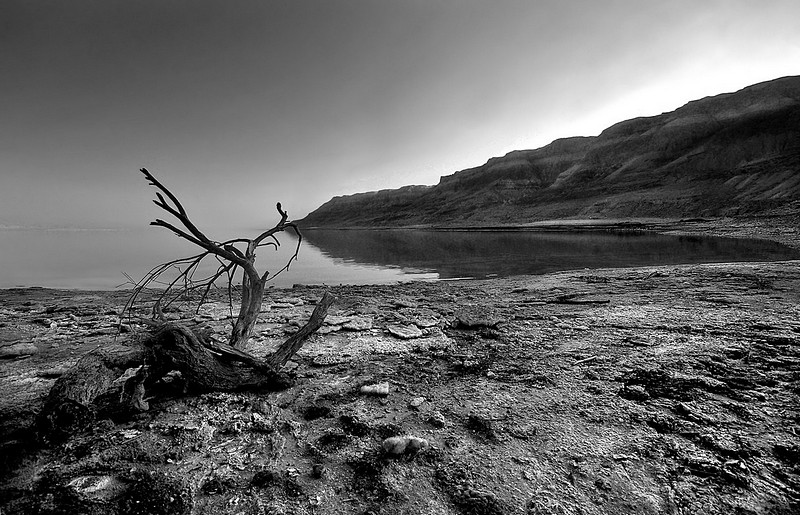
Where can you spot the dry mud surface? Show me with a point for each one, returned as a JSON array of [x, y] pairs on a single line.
[[668, 389]]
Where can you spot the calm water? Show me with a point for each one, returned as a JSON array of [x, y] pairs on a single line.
[[98, 259]]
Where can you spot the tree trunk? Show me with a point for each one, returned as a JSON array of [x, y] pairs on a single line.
[[93, 387], [70, 405], [252, 297], [206, 370]]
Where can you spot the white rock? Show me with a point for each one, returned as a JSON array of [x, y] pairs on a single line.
[[358, 324], [406, 332], [402, 444], [381, 389]]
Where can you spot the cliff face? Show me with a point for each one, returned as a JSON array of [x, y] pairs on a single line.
[[731, 154]]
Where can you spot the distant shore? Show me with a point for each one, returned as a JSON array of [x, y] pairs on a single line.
[[781, 228]]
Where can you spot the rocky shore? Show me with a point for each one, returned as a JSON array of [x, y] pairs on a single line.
[[665, 389]]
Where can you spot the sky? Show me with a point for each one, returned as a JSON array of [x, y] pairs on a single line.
[[236, 105]]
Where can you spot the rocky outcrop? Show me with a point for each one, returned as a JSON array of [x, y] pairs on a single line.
[[726, 155]]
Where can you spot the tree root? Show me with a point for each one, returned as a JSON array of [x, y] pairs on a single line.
[[98, 384]]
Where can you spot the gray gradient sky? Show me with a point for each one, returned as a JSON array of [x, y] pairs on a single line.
[[239, 104]]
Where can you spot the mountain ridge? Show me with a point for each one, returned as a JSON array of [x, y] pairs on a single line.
[[724, 155]]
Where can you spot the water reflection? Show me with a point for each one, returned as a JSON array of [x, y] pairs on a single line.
[[98, 259], [454, 254]]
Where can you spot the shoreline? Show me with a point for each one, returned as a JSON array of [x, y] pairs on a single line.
[[782, 228], [655, 389]]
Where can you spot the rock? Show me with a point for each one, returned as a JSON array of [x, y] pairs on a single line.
[[260, 424], [281, 305], [358, 324], [476, 316], [404, 444], [97, 487], [405, 332], [326, 360], [380, 389], [18, 349], [633, 393], [337, 320], [402, 303], [425, 322], [437, 419], [416, 402]]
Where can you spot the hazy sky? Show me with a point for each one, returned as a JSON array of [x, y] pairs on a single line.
[[239, 104]]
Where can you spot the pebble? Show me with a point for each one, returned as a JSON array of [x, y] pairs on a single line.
[[634, 393], [416, 402], [380, 389], [402, 444]]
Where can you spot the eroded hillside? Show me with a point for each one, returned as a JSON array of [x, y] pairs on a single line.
[[727, 155]]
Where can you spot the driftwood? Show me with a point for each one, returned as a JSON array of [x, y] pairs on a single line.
[[230, 260], [70, 405], [116, 382], [99, 386]]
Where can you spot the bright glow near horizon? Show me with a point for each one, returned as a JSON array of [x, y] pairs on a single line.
[[237, 106]]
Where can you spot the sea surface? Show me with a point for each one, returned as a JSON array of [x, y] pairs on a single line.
[[106, 259]]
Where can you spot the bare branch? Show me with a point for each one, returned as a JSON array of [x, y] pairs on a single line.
[[280, 226], [194, 234], [293, 344], [181, 281]]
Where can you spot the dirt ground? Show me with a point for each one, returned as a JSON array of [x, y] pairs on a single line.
[[667, 389]]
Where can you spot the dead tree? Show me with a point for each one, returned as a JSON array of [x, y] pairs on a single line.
[[206, 364], [230, 259]]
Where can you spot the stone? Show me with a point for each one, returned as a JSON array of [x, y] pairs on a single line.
[[404, 444], [380, 389], [18, 349], [476, 316], [425, 321], [416, 402], [326, 360], [358, 324], [281, 305], [437, 419], [336, 320], [97, 487], [403, 303], [405, 332]]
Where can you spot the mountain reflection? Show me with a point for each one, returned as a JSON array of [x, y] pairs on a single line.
[[454, 254]]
